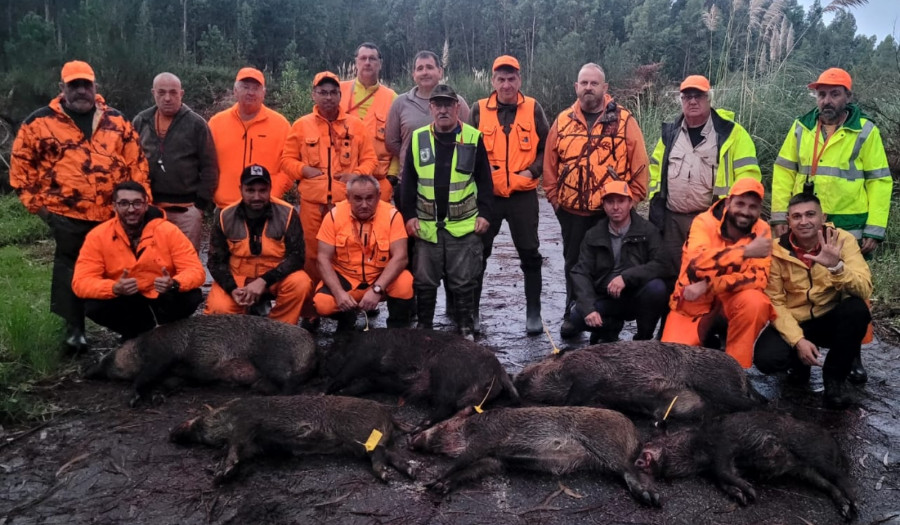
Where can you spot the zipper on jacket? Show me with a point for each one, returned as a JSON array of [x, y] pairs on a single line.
[[507, 148], [329, 199]]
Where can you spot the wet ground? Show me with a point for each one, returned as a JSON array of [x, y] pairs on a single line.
[[102, 462]]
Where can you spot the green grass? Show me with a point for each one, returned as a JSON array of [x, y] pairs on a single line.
[[17, 225], [29, 334]]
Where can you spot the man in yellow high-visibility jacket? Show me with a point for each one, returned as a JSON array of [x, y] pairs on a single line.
[[835, 151]]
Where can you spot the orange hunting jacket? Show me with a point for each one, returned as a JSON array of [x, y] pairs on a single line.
[[709, 256], [107, 252], [336, 148], [54, 167]]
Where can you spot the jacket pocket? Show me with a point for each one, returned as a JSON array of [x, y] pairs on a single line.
[[311, 151]]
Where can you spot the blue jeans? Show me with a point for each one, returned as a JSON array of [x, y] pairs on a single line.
[[645, 305]]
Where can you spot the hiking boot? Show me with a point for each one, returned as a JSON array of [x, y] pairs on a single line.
[[798, 375], [836, 395], [568, 330], [858, 374], [311, 324], [75, 341]]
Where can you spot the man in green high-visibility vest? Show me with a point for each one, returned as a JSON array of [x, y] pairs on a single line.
[[446, 193]]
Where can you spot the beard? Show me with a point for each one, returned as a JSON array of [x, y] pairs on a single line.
[[733, 221]]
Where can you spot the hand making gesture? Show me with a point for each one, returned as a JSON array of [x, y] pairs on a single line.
[[830, 252]]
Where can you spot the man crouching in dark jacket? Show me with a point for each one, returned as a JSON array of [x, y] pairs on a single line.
[[620, 274]]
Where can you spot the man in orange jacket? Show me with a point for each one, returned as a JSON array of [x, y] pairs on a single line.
[[362, 257], [248, 133], [323, 151], [256, 254], [514, 129], [137, 269], [589, 144], [71, 187], [369, 100], [724, 273]]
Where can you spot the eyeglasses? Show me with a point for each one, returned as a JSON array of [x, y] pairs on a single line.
[[328, 93], [695, 96], [130, 204]]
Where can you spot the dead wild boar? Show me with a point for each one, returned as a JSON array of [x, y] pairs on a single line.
[[557, 440], [442, 368], [299, 425], [641, 377], [766, 444], [267, 355]]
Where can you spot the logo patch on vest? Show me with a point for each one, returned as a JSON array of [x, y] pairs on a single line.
[[425, 156]]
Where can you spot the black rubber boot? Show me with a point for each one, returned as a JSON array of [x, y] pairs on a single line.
[[476, 305], [425, 302], [464, 320], [399, 312], [75, 341], [449, 302], [346, 321], [836, 395], [858, 374], [533, 323], [798, 375]]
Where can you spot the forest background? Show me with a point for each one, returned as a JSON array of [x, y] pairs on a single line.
[[759, 55]]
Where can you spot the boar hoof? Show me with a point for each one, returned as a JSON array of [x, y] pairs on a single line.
[[157, 399], [439, 486], [650, 498], [849, 511], [135, 400], [738, 494]]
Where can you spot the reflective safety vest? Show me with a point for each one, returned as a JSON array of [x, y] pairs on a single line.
[[375, 120], [242, 260], [736, 153], [362, 250], [462, 207], [586, 156], [509, 154], [852, 178]]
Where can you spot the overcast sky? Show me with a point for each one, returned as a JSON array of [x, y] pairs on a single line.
[[878, 17]]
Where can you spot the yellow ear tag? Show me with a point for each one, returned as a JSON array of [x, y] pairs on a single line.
[[373, 440], [670, 407], [547, 331], [478, 406]]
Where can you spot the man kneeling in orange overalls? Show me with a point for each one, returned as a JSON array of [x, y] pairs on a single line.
[[256, 253], [724, 272], [362, 257]]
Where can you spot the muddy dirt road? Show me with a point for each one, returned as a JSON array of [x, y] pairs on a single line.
[[105, 463]]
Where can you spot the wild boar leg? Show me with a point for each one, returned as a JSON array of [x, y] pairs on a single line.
[[379, 462], [154, 368], [400, 461], [729, 479], [237, 452], [840, 495], [464, 470], [641, 487]]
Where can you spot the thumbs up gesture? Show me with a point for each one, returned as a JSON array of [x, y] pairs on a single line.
[[165, 283], [125, 285]]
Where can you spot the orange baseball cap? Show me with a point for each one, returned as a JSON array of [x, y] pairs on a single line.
[[326, 75], [833, 77], [695, 82], [77, 70], [253, 73], [506, 60], [747, 185], [617, 187]]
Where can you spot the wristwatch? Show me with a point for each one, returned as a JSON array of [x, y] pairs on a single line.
[[378, 289]]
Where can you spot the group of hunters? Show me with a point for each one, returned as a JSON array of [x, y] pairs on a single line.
[[125, 202]]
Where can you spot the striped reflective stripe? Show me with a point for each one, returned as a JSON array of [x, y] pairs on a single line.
[[454, 186], [426, 182], [877, 174], [654, 161], [874, 231], [861, 139], [719, 191], [858, 233], [779, 216], [785, 163], [746, 161]]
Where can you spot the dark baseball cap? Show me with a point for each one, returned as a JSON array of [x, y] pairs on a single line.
[[255, 173], [443, 91]]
